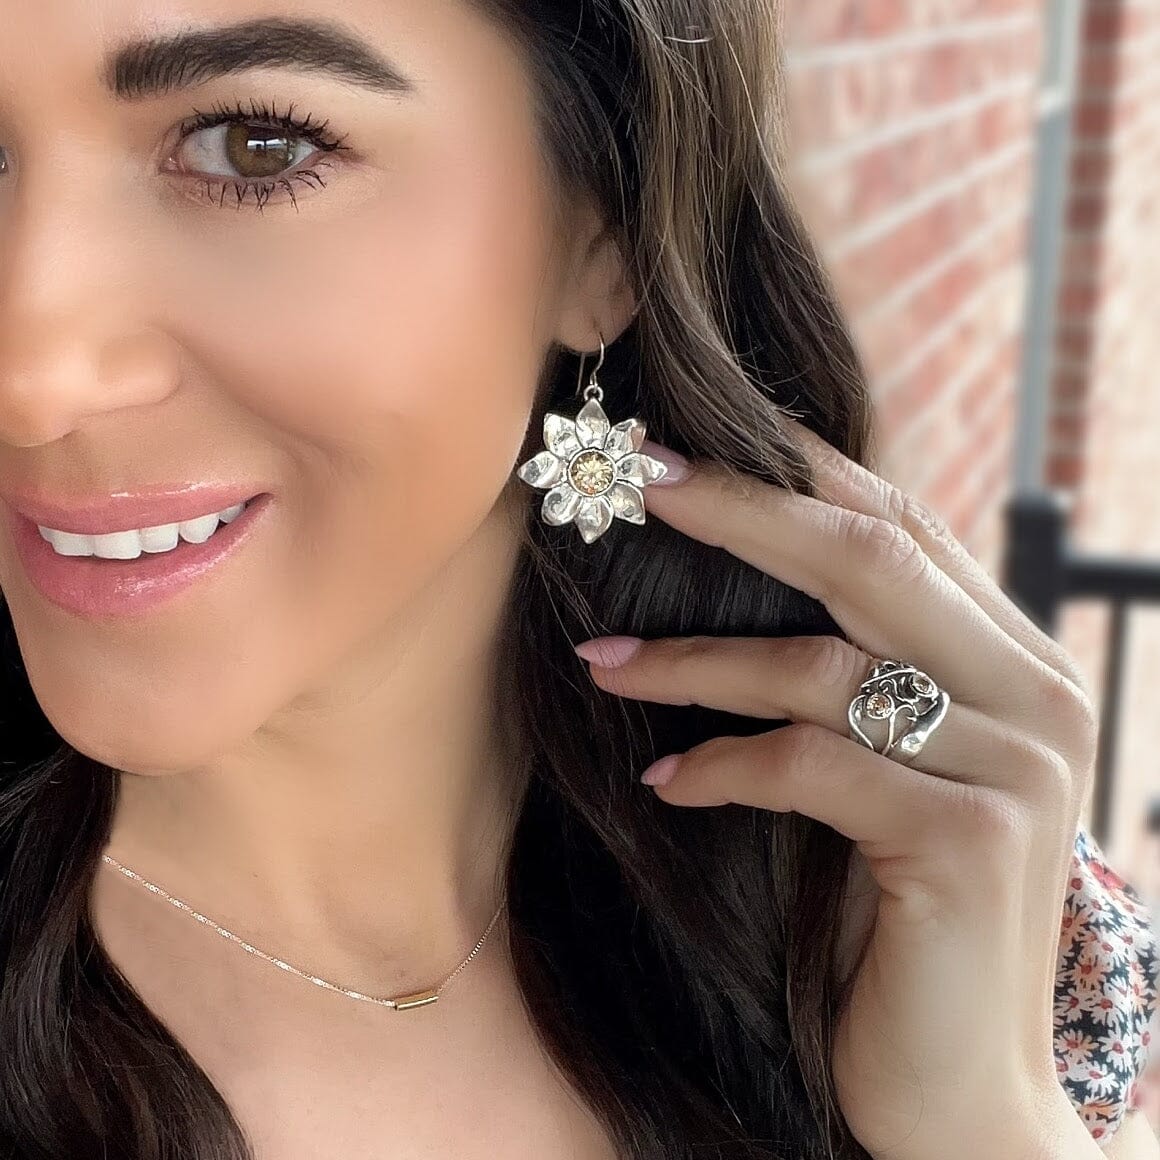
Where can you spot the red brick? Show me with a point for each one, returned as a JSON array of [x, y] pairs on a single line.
[[913, 243], [1074, 343], [1066, 471], [1091, 167], [1105, 23], [1087, 210], [1068, 429], [838, 100], [878, 180], [813, 23]]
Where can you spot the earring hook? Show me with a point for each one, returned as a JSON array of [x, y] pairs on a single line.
[[592, 390], [600, 361]]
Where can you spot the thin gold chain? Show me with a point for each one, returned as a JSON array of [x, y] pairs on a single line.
[[400, 1002]]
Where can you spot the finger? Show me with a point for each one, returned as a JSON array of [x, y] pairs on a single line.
[[913, 828], [812, 680], [841, 480], [872, 576]]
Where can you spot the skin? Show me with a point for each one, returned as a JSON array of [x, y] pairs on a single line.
[[316, 770]]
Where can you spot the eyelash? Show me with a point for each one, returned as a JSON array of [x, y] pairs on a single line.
[[267, 116]]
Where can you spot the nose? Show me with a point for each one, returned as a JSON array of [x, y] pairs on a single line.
[[76, 338]]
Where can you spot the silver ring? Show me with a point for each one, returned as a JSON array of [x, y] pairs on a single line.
[[896, 691]]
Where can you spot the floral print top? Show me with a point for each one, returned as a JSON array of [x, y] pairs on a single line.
[[1107, 1010]]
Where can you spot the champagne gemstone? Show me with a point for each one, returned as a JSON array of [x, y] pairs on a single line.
[[878, 706], [591, 473], [923, 685]]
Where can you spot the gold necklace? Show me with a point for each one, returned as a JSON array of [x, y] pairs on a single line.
[[401, 1002]]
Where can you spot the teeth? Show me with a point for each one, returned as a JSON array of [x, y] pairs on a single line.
[[129, 545]]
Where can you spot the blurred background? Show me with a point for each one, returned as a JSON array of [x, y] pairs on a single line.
[[984, 178]]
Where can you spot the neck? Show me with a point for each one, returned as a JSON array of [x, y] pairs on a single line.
[[363, 832]]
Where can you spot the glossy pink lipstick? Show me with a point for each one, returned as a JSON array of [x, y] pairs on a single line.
[[93, 587]]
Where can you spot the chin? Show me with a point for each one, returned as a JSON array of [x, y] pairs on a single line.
[[174, 736]]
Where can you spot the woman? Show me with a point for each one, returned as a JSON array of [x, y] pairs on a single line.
[[288, 308]]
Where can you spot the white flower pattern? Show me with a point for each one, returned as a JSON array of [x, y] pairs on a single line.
[[1107, 993], [593, 471]]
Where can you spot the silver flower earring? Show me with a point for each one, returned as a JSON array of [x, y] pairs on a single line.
[[593, 470]]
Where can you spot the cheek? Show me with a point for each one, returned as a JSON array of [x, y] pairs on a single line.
[[394, 371]]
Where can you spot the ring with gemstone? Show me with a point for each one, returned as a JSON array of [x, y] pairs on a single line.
[[898, 692]]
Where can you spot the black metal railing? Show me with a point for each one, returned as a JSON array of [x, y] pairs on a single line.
[[1042, 573]]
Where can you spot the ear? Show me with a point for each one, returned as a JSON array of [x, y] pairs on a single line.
[[598, 300]]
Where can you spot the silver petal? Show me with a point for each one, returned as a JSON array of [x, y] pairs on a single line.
[[592, 424], [560, 436], [560, 504], [545, 470], [625, 437], [627, 502], [640, 469], [594, 518]]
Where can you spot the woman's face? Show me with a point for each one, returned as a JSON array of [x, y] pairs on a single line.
[[357, 331]]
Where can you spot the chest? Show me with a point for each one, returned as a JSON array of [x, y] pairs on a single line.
[[310, 1075], [398, 1098], [288, 1118]]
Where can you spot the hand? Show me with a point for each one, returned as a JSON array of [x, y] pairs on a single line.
[[948, 1026]]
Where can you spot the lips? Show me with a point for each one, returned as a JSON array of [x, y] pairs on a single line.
[[122, 512], [95, 588]]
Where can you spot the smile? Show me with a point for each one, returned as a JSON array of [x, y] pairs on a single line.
[[123, 573], [128, 545]]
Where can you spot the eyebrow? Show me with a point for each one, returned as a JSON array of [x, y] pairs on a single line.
[[153, 67]]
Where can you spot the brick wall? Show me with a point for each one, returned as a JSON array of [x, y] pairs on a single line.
[[912, 129], [1106, 420]]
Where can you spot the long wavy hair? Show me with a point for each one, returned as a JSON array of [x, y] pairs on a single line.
[[679, 964]]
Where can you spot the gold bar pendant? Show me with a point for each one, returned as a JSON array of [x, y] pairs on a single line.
[[418, 999]]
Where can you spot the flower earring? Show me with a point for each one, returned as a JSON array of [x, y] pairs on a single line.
[[593, 470]]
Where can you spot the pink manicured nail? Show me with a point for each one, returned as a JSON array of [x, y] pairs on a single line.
[[609, 651], [677, 464], [661, 772]]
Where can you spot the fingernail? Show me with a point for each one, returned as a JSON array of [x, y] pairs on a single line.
[[661, 772], [677, 464], [609, 651]]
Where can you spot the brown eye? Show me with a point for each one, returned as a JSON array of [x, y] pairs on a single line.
[[255, 151], [244, 151], [3, 161]]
